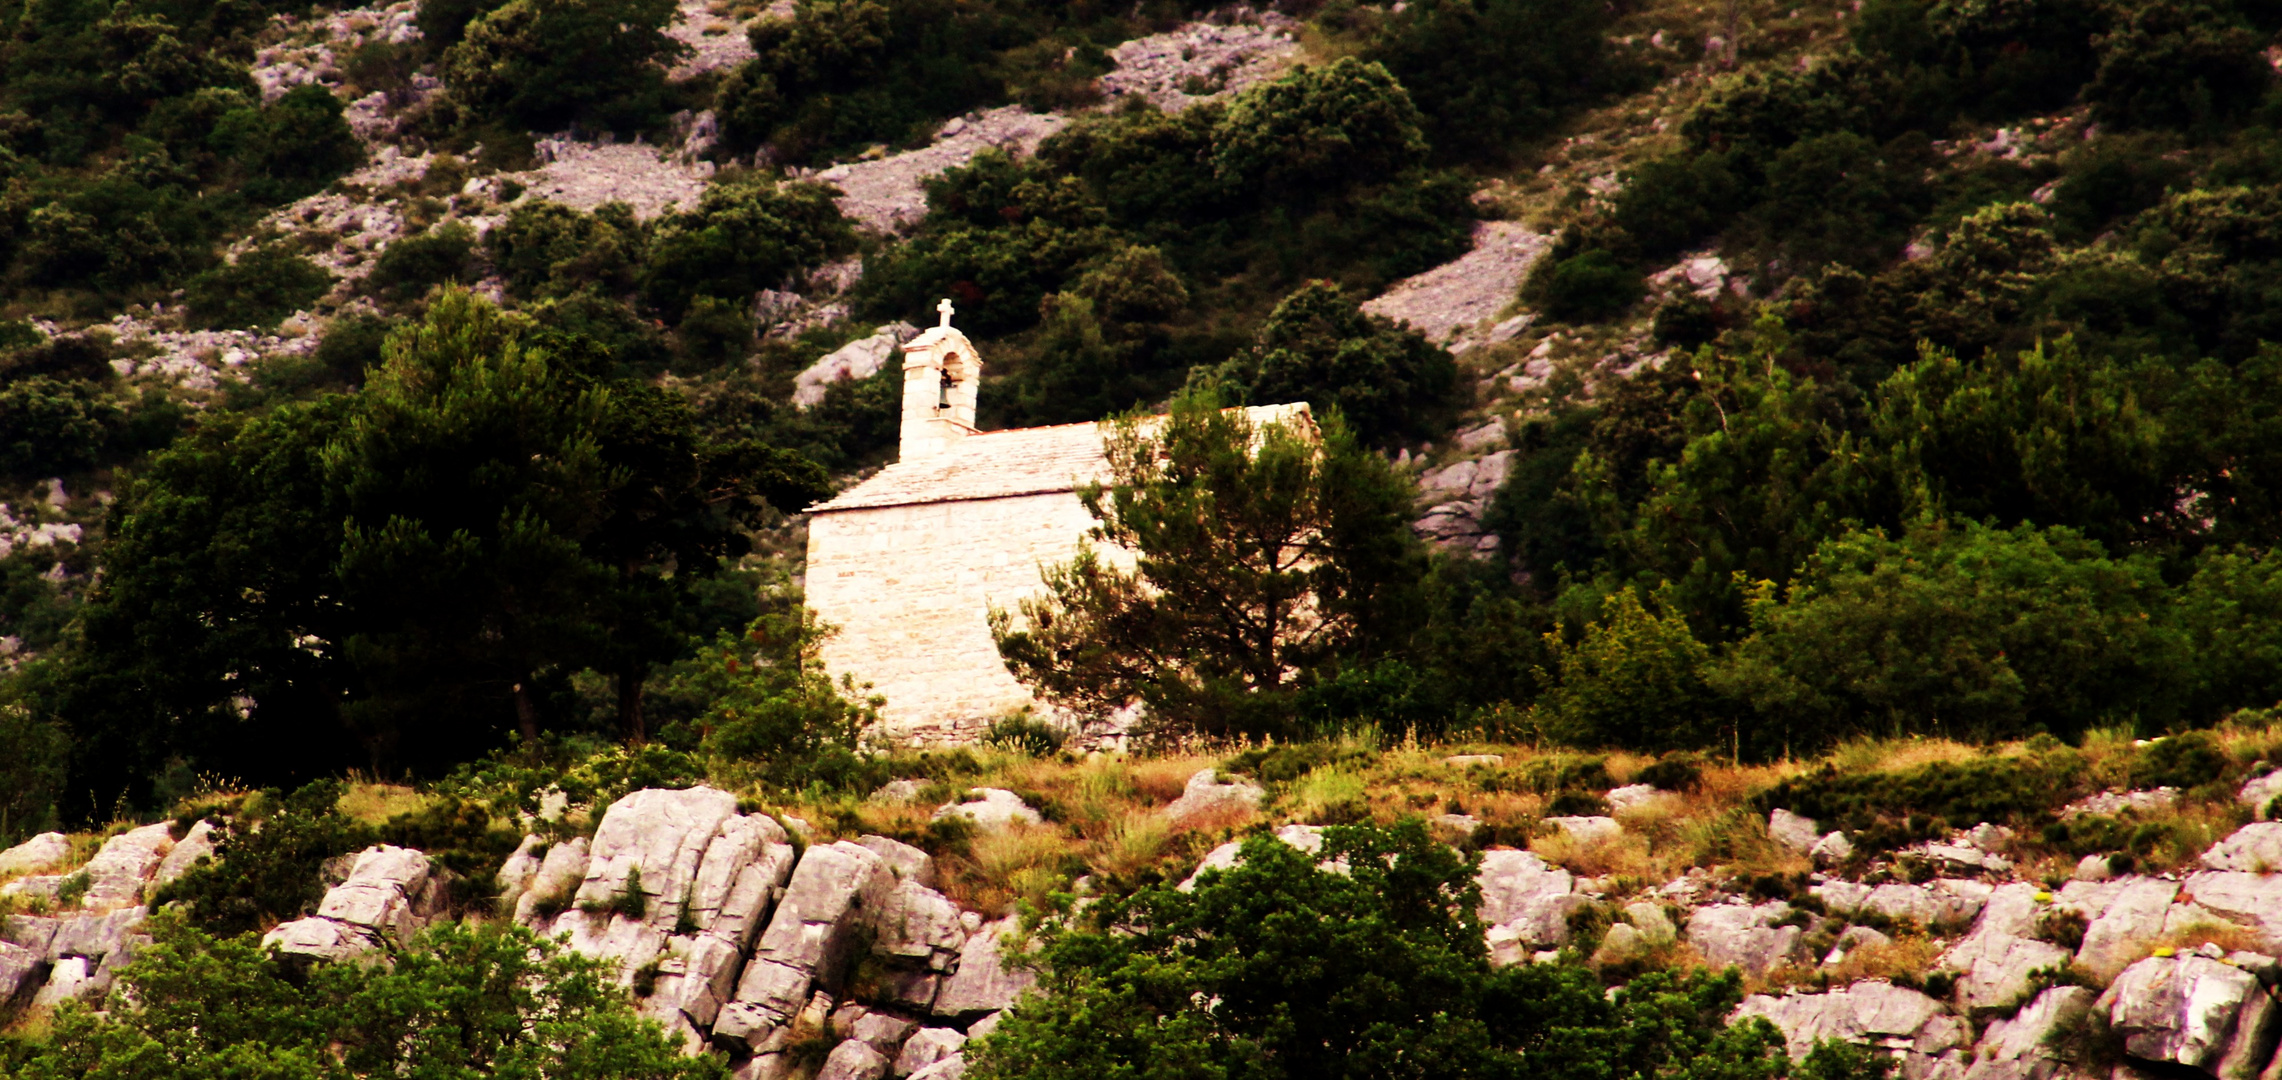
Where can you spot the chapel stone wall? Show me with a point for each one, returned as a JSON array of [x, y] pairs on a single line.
[[910, 588]]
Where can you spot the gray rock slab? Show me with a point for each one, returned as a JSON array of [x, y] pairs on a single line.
[[1208, 797], [41, 852], [2020, 1047], [1800, 834], [833, 891], [664, 835], [1592, 829], [391, 891], [991, 810], [987, 980], [1873, 1013], [1996, 960], [2121, 916], [2194, 1011], [1525, 904], [2258, 791], [854, 1059], [925, 1047], [917, 926], [1743, 936], [557, 879], [115, 876], [2255, 848], [22, 972], [908, 863]]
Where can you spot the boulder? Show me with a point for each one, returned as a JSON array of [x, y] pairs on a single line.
[[1588, 830], [858, 359], [991, 809], [1207, 798], [854, 1059], [1854, 937], [696, 976], [2194, 1011], [918, 927], [1742, 936], [1623, 942], [1525, 904], [2252, 900], [2121, 917], [2095, 868], [1800, 834], [1961, 858], [747, 860], [2255, 848], [22, 972], [985, 981], [900, 791], [41, 852], [1474, 761], [662, 834], [2260, 790], [1947, 902], [835, 889], [1655, 927], [1834, 848], [2020, 1047], [1873, 1013], [1230, 855], [769, 995], [1632, 797], [554, 884], [521, 866], [881, 1031], [115, 876], [953, 1067], [926, 1047], [391, 893], [906, 862], [1995, 961]]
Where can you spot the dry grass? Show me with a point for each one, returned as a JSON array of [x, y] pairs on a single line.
[[371, 803], [1906, 958]]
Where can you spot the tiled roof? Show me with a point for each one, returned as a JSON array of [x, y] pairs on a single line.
[[1000, 464]]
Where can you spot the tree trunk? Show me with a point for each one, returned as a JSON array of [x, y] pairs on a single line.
[[526, 713], [630, 704]]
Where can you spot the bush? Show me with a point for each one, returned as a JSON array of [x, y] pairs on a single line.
[[1488, 72], [1672, 772], [33, 756], [51, 426], [547, 249], [540, 64], [1025, 735], [492, 1001], [771, 705], [1317, 346], [352, 345], [1587, 287], [1634, 680], [2184, 761], [742, 238], [1279, 969], [408, 268], [291, 147], [1318, 131], [2180, 64], [1889, 808], [262, 287], [266, 871]]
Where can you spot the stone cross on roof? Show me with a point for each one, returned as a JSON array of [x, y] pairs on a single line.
[[944, 306]]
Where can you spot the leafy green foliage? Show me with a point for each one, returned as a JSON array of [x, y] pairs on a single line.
[[1265, 550], [768, 704], [266, 869], [50, 426], [1317, 346], [1931, 799], [1488, 72], [1279, 968], [743, 237], [408, 268], [1636, 679], [458, 1001], [262, 287], [35, 752], [2177, 64], [542, 63]]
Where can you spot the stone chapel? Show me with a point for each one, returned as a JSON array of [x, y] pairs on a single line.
[[907, 564]]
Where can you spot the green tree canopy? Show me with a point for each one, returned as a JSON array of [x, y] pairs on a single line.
[[1264, 551]]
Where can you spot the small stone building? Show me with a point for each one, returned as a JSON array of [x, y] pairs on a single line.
[[907, 564]]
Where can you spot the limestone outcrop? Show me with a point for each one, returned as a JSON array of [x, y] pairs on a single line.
[[391, 894]]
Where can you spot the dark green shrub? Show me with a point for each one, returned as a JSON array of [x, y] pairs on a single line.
[[1024, 734], [2179, 64], [270, 873], [547, 249], [262, 287], [1588, 287], [2184, 761], [1290, 761], [1884, 809], [1671, 204], [408, 268], [1487, 72], [1672, 772], [1317, 346], [1573, 803], [1686, 321], [1556, 773], [743, 237], [1320, 130], [291, 147], [543, 63], [51, 426], [714, 332], [352, 345]]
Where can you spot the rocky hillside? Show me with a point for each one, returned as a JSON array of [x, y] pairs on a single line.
[[2087, 930]]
